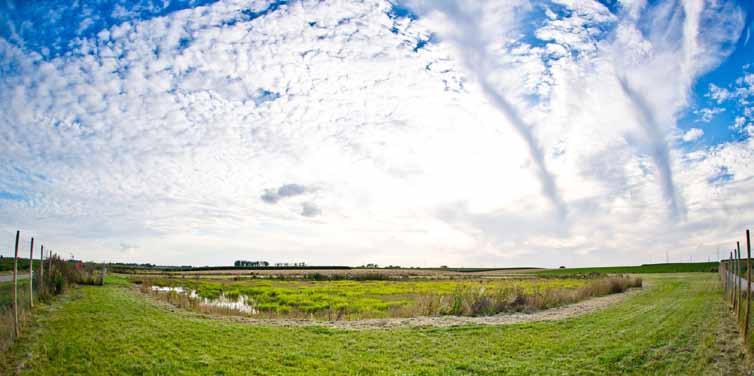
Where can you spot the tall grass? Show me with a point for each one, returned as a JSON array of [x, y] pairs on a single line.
[[469, 300], [372, 276]]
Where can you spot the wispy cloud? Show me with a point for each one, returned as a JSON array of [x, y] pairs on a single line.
[[658, 148], [474, 43]]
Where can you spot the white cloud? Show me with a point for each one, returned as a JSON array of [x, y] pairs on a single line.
[[740, 95], [717, 93], [693, 134], [707, 114], [168, 132]]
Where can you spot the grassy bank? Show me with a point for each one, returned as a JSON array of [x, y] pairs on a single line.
[[679, 326]]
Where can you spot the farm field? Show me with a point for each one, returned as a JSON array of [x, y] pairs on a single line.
[[296, 273], [679, 325], [699, 267], [420, 273]]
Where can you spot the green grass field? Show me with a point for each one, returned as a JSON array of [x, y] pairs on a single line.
[[705, 267], [680, 325]]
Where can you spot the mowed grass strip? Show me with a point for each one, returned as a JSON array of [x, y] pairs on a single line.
[[678, 326]]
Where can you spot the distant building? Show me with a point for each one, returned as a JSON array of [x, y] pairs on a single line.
[[250, 264]]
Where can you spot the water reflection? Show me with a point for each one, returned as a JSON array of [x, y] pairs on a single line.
[[241, 304]]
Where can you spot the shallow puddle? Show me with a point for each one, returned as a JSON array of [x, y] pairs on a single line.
[[241, 304]]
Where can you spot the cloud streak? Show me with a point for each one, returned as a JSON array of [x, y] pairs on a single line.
[[474, 42], [658, 148]]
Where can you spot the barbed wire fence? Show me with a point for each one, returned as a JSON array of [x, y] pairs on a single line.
[[26, 281], [735, 275]]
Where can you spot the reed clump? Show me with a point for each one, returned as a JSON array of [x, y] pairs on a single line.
[[469, 300]]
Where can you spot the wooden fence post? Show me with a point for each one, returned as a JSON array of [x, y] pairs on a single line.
[[730, 281], [738, 284], [740, 277], [31, 274], [748, 287], [15, 289], [720, 272], [41, 269], [735, 285], [732, 278], [49, 263], [735, 253], [725, 277]]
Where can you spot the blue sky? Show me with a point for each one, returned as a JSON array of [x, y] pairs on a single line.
[[719, 128], [412, 132]]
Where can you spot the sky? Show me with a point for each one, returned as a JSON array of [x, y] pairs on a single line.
[[413, 133]]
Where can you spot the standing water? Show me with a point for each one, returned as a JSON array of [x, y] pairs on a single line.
[[241, 304]]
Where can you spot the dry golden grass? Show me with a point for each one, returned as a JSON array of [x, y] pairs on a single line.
[[479, 301]]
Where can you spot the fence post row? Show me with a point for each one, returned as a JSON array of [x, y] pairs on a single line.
[[40, 286], [737, 284]]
